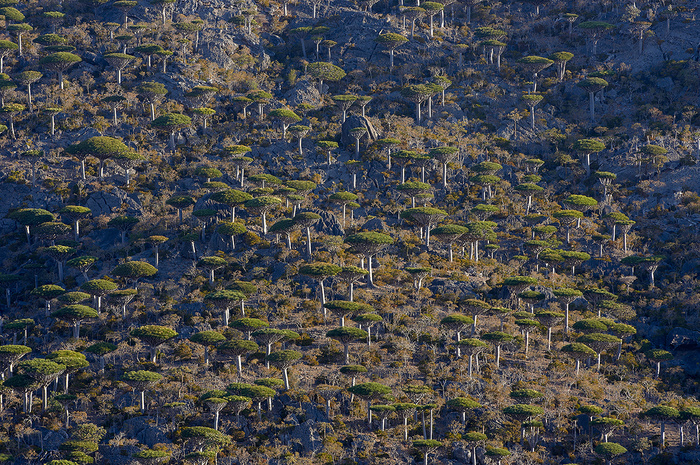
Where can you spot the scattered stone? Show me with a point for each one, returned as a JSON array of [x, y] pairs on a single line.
[[304, 91], [375, 224], [355, 121], [105, 203], [684, 339], [455, 289], [305, 438], [328, 224]]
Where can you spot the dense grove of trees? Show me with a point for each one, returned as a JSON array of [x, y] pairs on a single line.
[[219, 247]]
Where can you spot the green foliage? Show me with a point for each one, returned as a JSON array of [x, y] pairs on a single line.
[[262, 203], [390, 40], [352, 370], [284, 115], [462, 404], [154, 335], [457, 321], [599, 341], [134, 270], [427, 444], [150, 89], [370, 390], [658, 355], [237, 347], [180, 201], [578, 350], [171, 122], [283, 358], [593, 84], [580, 201], [342, 197], [319, 270], [212, 262], [325, 71], [75, 312], [59, 61], [522, 411], [98, 286], [654, 150], [101, 348], [209, 338], [497, 452], [347, 334], [73, 297], [13, 351], [151, 454], [497, 337], [661, 413], [141, 378], [610, 450], [596, 25], [518, 281], [41, 370], [255, 392], [47, 291], [369, 239], [344, 307], [588, 145], [31, 216]]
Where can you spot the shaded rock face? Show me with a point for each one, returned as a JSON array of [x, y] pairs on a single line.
[[306, 437], [104, 203], [304, 91], [684, 339], [145, 433], [459, 289], [118, 455], [106, 238], [50, 440], [328, 224], [218, 48], [375, 224], [22, 196], [355, 121], [364, 441]]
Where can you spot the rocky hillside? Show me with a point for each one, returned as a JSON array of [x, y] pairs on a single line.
[[349, 233]]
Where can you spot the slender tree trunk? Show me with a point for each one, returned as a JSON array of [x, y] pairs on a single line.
[[286, 378], [527, 342], [663, 434], [369, 268]]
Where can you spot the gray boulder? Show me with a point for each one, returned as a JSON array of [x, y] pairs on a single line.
[[457, 289], [682, 338], [306, 438], [105, 238], [355, 121], [328, 224], [304, 91], [146, 434], [105, 203], [375, 224], [118, 455], [49, 440], [312, 412], [364, 441], [16, 196]]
